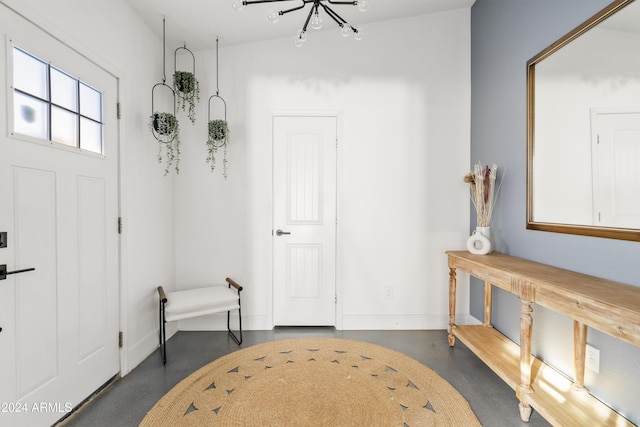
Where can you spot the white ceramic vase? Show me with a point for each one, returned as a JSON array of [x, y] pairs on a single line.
[[479, 242]]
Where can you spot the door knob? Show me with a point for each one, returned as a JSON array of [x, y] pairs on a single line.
[[4, 273], [280, 232]]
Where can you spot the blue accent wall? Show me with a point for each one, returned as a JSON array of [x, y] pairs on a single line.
[[505, 34]]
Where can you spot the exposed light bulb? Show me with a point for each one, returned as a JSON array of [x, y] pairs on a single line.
[[358, 34], [301, 37], [273, 16], [316, 21], [345, 30], [363, 5], [237, 5]]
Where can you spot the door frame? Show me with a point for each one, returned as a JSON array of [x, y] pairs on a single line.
[[595, 113], [338, 115]]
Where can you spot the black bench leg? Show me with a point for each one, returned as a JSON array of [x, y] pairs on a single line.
[[163, 335], [235, 338]]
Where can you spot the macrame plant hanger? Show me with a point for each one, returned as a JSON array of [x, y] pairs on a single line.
[[218, 135]]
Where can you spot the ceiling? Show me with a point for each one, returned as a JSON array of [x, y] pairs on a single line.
[[199, 22]]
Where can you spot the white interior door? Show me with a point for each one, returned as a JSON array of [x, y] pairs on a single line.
[[617, 169], [59, 338], [304, 224]]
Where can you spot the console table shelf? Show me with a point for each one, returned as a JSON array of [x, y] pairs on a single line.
[[610, 307]]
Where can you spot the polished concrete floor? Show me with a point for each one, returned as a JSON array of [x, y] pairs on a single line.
[[127, 400]]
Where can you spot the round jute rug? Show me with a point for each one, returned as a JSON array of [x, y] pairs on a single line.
[[323, 382]]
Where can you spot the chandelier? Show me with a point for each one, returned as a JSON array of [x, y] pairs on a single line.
[[313, 18]]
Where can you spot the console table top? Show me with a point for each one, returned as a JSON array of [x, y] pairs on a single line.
[[556, 279]]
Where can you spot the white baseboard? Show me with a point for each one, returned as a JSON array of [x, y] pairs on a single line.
[[218, 322], [141, 349], [394, 321]]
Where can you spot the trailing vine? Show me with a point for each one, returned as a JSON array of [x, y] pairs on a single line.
[[218, 138], [167, 130], [187, 89]]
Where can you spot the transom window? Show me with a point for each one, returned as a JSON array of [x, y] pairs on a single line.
[[52, 105]]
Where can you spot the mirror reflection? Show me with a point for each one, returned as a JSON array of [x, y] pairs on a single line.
[[584, 135]]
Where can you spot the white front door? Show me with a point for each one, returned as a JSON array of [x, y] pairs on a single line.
[[304, 221], [59, 208], [616, 163]]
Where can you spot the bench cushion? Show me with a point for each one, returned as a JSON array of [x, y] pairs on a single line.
[[200, 302]]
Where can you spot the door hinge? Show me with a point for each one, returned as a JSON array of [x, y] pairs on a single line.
[[119, 225], [118, 111], [336, 299], [120, 339]]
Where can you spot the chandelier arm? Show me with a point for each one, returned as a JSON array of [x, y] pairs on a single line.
[[337, 18], [306, 23], [248, 2], [352, 3], [293, 9]]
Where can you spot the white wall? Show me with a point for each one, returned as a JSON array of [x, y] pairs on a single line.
[[401, 197], [403, 95], [109, 33]]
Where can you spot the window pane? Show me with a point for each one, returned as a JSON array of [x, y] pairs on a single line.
[[64, 90], [64, 127], [30, 116], [90, 135], [90, 102], [29, 74]]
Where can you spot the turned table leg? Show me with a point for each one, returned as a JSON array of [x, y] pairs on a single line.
[[579, 352], [452, 304], [525, 293]]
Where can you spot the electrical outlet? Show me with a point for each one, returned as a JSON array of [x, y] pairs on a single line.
[[592, 361], [388, 292]]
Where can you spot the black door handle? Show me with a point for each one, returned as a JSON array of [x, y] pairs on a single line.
[[4, 273]]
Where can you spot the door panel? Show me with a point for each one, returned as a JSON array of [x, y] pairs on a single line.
[[304, 207], [35, 223], [304, 272], [60, 323], [92, 313]]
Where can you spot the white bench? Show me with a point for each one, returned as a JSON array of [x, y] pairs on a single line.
[[190, 303]]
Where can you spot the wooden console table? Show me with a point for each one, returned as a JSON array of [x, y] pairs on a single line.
[[610, 307]]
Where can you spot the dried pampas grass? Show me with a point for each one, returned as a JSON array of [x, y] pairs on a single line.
[[482, 182]]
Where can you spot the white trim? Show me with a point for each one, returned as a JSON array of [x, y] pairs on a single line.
[[405, 321], [139, 351]]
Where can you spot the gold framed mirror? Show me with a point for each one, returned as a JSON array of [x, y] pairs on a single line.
[[583, 128]]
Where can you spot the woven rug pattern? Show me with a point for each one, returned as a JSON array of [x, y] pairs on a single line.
[[324, 382]]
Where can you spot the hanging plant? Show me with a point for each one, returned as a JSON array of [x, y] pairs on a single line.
[[166, 128], [218, 138], [187, 89]]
